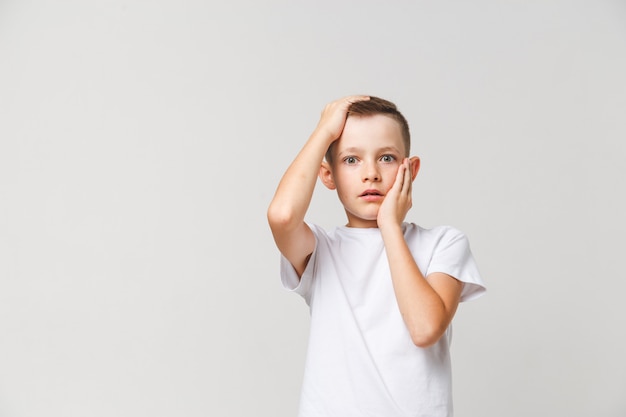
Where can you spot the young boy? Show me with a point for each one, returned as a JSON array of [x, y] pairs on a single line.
[[381, 292]]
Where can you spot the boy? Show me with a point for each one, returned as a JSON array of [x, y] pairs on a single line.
[[381, 292]]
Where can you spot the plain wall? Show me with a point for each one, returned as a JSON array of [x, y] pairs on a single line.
[[141, 142]]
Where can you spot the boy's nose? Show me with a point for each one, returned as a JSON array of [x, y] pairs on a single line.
[[370, 173]]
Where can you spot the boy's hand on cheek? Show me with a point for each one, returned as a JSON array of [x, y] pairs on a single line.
[[398, 200]]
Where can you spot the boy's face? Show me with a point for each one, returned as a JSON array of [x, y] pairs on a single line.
[[365, 159]]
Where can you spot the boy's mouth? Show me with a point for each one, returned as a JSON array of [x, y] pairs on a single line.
[[373, 193]]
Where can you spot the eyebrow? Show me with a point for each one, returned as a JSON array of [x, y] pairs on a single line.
[[355, 149]]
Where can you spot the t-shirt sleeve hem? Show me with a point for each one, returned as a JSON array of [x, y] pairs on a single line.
[[472, 286], [289, 277]]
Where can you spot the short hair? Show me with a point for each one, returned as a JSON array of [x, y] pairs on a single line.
[[377, 105]]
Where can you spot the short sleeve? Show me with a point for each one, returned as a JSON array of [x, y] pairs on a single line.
[[289, 276], [453, 256]]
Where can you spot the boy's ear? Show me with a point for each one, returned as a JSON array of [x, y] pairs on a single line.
[[326, 176], [415, 162]]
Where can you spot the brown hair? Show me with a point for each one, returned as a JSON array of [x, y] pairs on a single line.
[[376, 105]]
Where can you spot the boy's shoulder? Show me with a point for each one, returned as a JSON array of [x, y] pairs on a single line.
[[439, 230], [434, 236]]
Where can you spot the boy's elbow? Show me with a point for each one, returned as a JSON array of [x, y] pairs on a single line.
[[279, 218]]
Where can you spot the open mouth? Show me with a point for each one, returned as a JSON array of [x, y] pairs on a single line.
[[374, 193]]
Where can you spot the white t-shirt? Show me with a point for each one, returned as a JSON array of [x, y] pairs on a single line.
[[361, 360]]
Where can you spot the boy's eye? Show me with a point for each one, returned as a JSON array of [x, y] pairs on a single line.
[[387, 158], [350, 160]]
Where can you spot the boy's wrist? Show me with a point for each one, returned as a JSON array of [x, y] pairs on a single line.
[[390, 227], [323, 135]]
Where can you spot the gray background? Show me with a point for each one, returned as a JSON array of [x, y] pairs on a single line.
[[140, 143]]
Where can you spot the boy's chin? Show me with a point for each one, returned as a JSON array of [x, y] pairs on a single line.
[[362, 221]]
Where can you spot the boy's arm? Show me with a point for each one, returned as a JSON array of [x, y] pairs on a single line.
[[428, 303], [286, 212]]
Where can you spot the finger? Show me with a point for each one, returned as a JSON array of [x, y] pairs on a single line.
[[406, 177], [398, 184], [349, 100], [357, 97]]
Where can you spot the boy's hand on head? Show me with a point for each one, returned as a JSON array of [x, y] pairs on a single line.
[[398, 200], [334, 115]]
